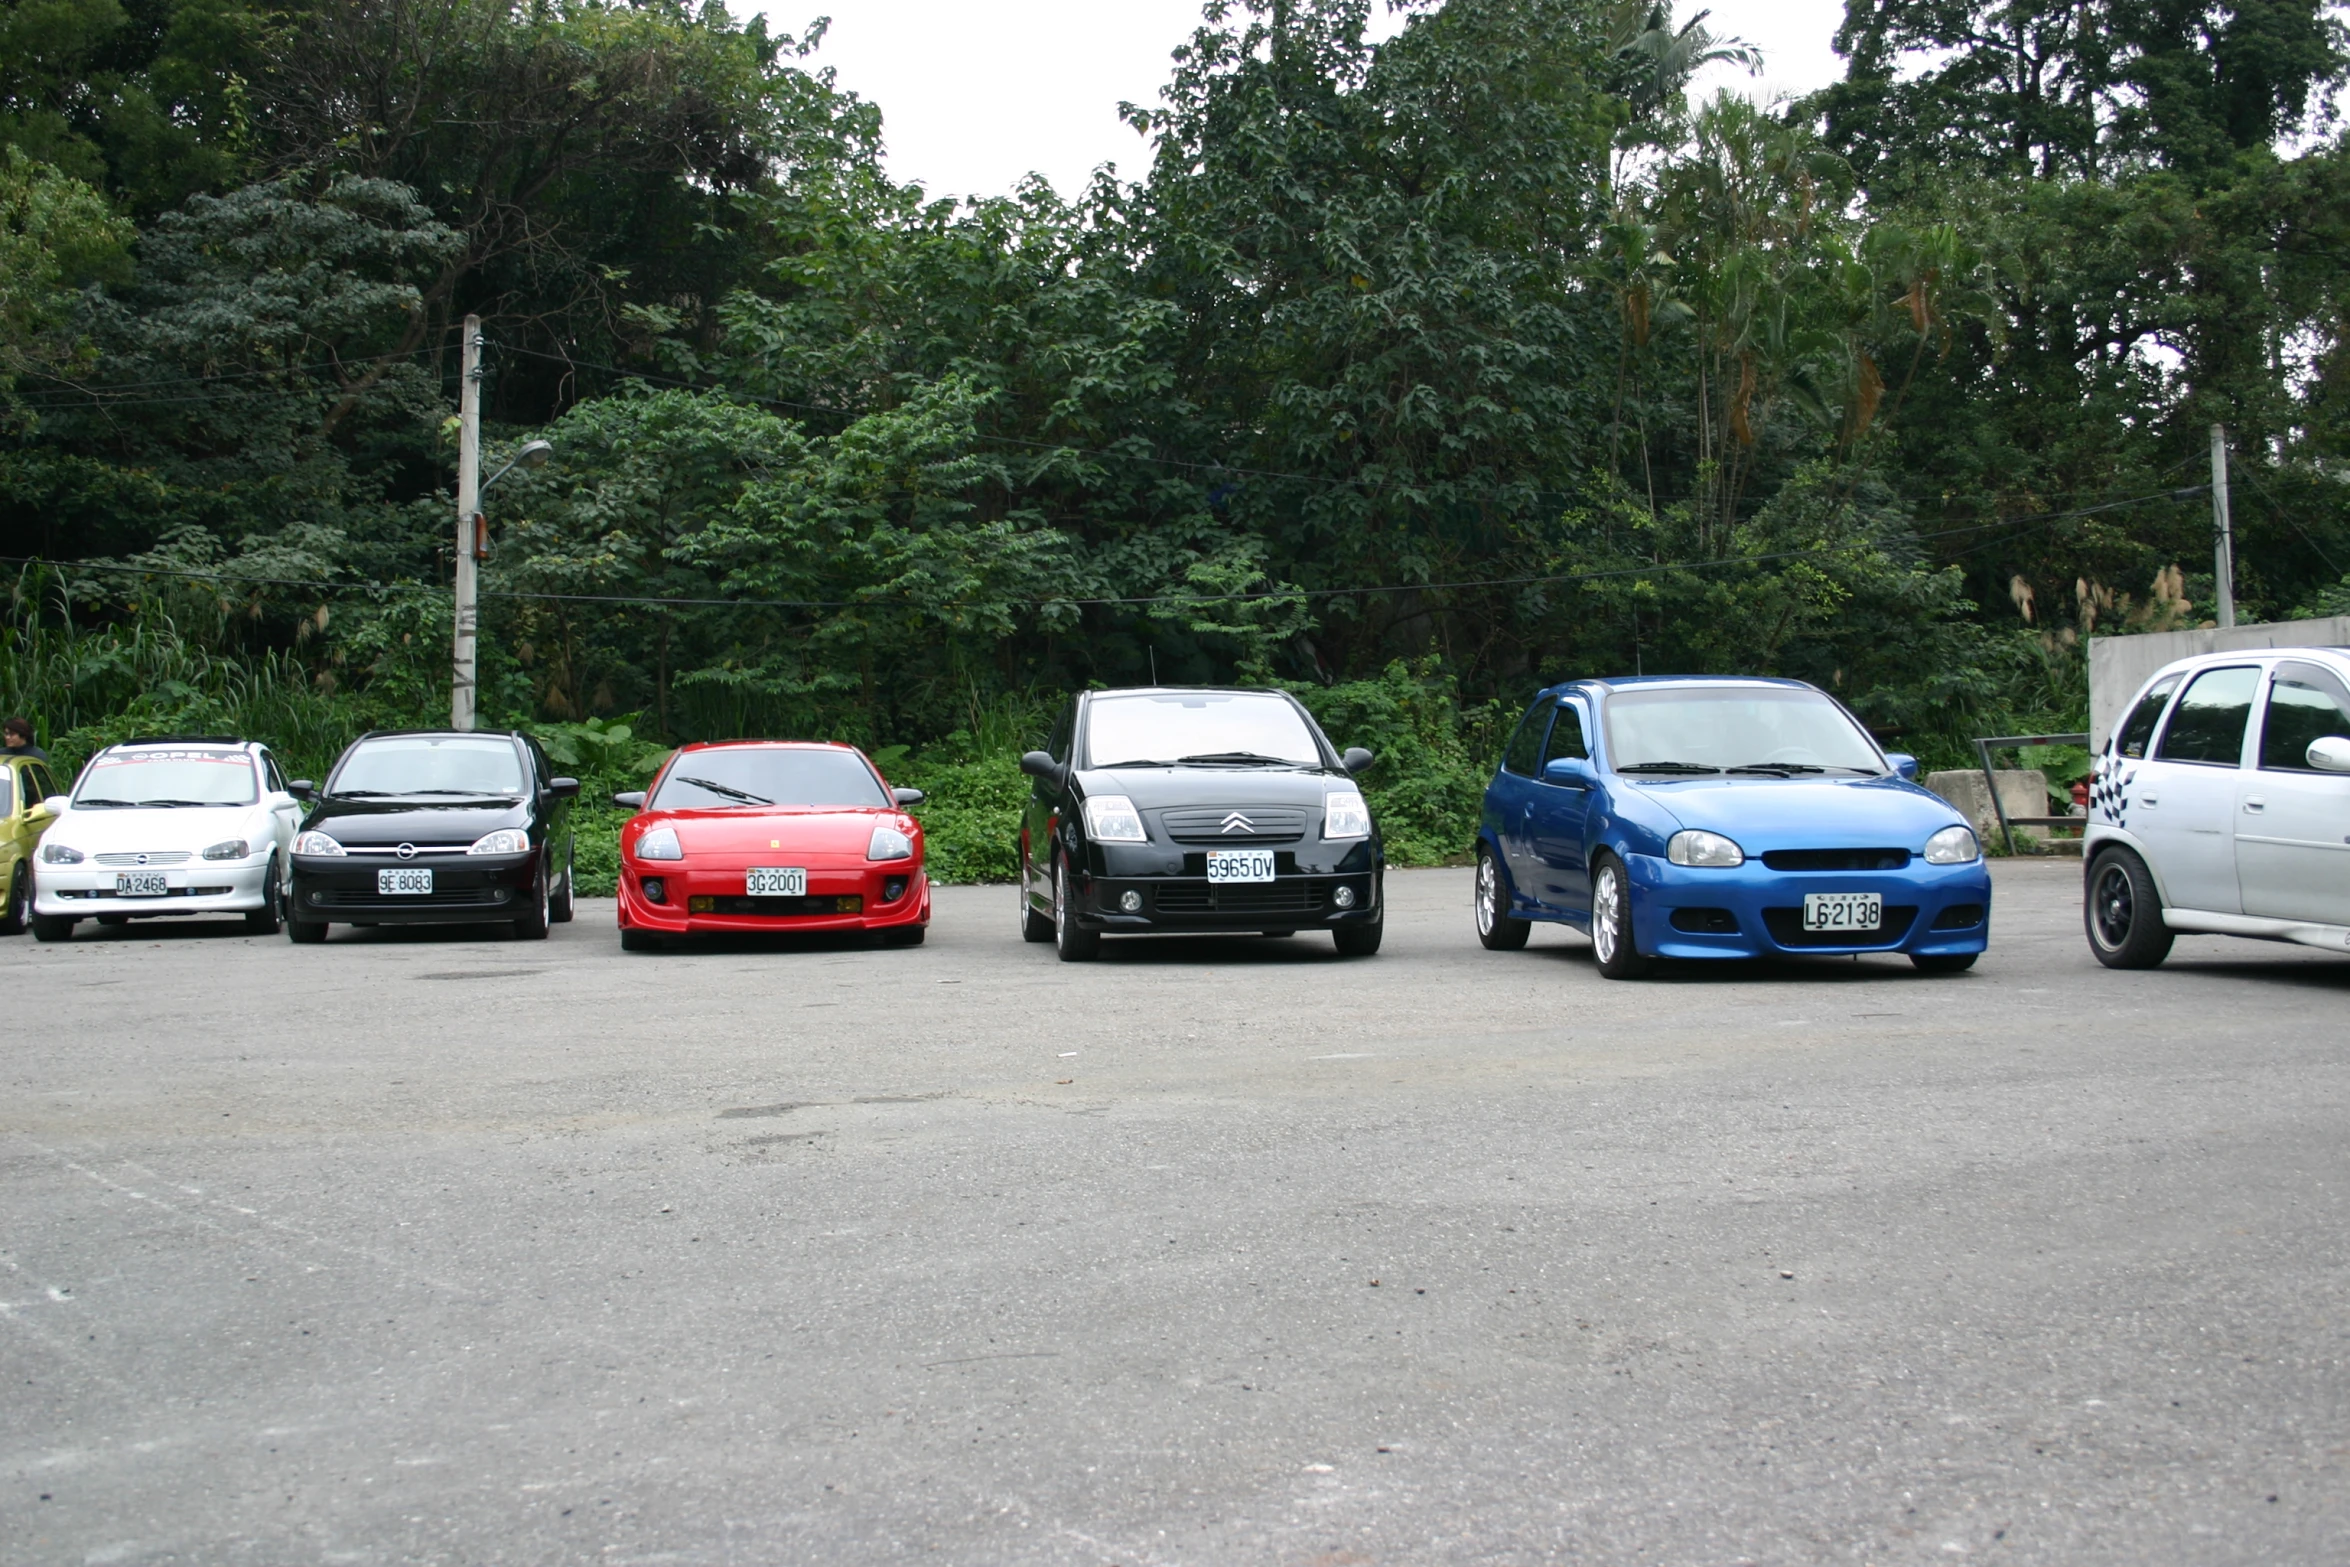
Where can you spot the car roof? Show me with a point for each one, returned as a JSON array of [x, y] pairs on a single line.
[[1188, 691], [780, 745], [2326, 652], [182, 741], [1604, 684]]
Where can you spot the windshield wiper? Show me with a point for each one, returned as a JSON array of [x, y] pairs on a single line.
[[1669, 767], [728, 791], [1776, 767], [1241, 756], [80, 803], [468, 794], [171, 804], [365, 794], [1139, 761]]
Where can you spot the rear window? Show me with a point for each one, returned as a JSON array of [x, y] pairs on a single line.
[[1203, 726], [763, 775], [2137, 731], [431, 764], [168, 778]]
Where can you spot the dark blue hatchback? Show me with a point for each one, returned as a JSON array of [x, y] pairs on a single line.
[[1712, 817]]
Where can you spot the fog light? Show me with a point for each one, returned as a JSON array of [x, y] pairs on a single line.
[[1130, 901], [656, 890], [892, 888], [700, 905], [1344, 897]]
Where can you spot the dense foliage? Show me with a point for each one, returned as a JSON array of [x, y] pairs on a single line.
[[1406, 375]]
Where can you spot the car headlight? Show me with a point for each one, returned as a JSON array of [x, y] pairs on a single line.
[[1344, 815], [1112, 818], [59, 854], [506, 840], [1708, 850], [660, 844], [228, 849], [889, 844], [1953, 846], [317, 843]]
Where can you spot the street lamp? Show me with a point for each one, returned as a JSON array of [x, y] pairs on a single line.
[[534, 454]]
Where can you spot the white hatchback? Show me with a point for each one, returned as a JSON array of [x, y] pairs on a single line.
[[2222, 805], [169, 826]]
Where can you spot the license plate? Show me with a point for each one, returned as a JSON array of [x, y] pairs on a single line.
[[1240, 865], [402, 884], [1843, 910], [141, 884], [776, 881]]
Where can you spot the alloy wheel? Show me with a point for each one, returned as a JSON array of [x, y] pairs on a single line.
[[2113, 906], [1607, 921], [1488, 894]]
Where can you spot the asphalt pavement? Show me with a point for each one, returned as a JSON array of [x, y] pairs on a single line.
[[443, 1248]]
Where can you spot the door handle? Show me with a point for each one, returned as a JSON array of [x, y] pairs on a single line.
[[2149, 801], [2255, 804]]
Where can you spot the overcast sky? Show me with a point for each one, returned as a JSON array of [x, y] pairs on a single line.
[[977, 93]]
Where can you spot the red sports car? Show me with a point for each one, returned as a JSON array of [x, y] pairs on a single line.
[[768, 835]]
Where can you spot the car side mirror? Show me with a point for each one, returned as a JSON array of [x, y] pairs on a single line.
[[909, 796], [55, 805], [302, 789], [1040, 765], [630, 799], [1904, 764], [563, 788], [1357, 761], [1569, 770], [2330, 755]]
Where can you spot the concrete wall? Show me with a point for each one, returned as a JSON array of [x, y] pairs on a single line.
[[2118, 666], [2023, 791]]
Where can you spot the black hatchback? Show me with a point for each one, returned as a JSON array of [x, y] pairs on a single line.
[[1170, 809], [434, 827]]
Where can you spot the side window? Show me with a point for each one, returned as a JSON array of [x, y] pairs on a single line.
[[1063, 730], [1524, 753], [8, 777], [271, 779], [2305, 703], [1566, 736], [43, 787], [2137, 731], [2208, 724]]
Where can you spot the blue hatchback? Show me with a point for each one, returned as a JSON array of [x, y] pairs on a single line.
[[1710, 817]]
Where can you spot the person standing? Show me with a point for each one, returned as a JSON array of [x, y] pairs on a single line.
[[18, 733]]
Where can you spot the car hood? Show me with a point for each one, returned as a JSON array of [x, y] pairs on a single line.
[[120, 829], [359, 824], [1821, 813], [1152, 787], [761, 835]]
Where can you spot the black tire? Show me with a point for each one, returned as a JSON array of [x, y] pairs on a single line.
[[52, 927], [560, 910], [532, 926], [305, 933], [263, 921], [1496, 927], [905, 936], [1071, 941], [632, 940], [20, 894], [1944, 962], [1612, 938], [2122, 912], [1033, 926], [1359, 941]]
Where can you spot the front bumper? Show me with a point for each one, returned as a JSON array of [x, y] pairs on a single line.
[[867, 895], [1754, 911], [466, 888], [198, 887], [1314, 887]]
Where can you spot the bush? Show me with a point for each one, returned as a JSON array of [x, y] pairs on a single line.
[[971, 818], [1429, 781]]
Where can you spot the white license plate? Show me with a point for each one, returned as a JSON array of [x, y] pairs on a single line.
[[1843, 910], [1240, 865], [141, 884], [402, 884], [776, 881]]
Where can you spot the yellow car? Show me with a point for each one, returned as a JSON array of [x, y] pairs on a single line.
[[27, 783]]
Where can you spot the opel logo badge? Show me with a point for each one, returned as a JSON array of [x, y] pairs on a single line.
[[406, 851], [141, 860], [1238, 823]]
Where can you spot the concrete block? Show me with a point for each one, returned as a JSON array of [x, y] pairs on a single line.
[[2023, 791]]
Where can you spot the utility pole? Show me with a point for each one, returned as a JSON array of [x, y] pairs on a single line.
[[461, 684], [2223, 540]]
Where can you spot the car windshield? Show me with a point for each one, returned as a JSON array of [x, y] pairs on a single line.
[[1197, 726], [168, 778], [430, 764], [1765, 729], [768, 775]]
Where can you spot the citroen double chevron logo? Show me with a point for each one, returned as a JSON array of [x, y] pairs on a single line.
[[1238, 823]]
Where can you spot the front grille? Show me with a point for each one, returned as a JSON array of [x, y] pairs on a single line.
[[1786, 928], [164, 857], [1706, 922], [439, 898], [1261, 897], [1836, 859], [1264, 824], [779, 907], [1959, 916]]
